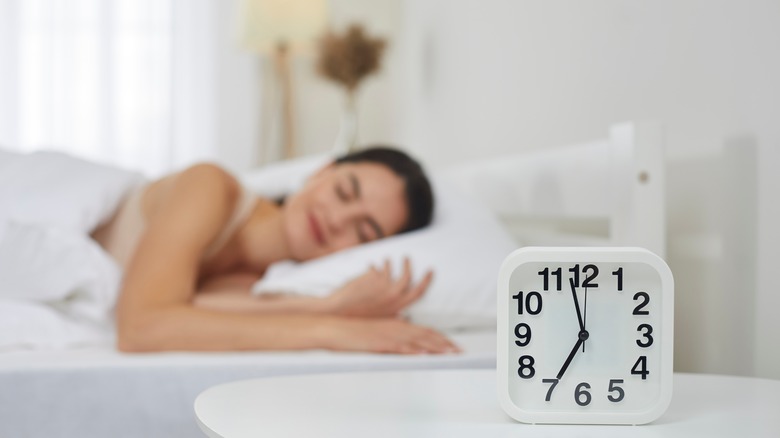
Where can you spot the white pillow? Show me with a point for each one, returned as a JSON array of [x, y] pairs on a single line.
[[281, 178], [58, 189], [464, 246]]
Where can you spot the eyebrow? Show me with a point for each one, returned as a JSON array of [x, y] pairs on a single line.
[[371, 222]]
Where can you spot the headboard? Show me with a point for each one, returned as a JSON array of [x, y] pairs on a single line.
[[606, 192]]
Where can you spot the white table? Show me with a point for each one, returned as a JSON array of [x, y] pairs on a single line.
[[462, 403]]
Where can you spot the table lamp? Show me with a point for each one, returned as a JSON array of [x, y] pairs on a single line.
[[278, 28]]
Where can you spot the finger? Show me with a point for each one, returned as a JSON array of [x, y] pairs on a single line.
[[417, 291], [403, 283], [411, 348], [370, 274], [400, 346], [434, 342], [388, 272]]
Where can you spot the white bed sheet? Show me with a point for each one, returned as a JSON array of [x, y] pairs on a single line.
[[99, 392]]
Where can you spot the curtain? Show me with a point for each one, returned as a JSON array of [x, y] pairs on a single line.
[[125, 82]]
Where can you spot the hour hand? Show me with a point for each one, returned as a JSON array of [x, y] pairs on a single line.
[[577, 304], [571, 356]]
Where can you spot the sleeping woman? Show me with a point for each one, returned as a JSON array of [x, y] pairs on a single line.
[[192, 244]]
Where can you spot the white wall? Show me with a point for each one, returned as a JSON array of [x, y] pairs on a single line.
[[467, 79], [487, 77]]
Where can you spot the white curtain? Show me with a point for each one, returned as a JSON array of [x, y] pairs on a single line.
[[127, 82]]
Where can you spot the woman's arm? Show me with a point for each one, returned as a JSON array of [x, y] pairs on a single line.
[[155, 311], [374, 294], [232, 293]]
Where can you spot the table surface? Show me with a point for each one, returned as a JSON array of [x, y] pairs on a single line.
[[463, 403]]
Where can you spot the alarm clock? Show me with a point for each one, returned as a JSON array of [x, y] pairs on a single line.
[[585, 335]]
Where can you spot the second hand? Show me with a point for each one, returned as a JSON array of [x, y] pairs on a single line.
[[585, 316]]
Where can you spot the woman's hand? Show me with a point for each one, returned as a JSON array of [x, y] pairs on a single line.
[[387, 335], [376, 294]]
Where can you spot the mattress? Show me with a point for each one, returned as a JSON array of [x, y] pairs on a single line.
[[100, 392]]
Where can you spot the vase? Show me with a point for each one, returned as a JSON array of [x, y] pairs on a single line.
[[346, 140]]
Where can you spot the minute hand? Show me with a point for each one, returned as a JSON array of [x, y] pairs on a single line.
[[577, 305]]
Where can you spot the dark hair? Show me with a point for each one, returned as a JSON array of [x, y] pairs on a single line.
[[417, 188]]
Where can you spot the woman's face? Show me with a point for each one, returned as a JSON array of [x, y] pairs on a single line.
[[344, 205]]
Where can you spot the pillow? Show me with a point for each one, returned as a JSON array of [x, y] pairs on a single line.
[[280, 178], [464, 246], [58, 189]]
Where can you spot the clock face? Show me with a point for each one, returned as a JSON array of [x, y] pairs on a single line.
[[585, 335]]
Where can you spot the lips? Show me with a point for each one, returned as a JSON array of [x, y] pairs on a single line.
[[316, 230]]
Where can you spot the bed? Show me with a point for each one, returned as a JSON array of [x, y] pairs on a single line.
[[603, 192]]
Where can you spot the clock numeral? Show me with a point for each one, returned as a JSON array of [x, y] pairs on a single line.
[[579, 392], [590, 272], [594, 272], [614, 388], [619, 274], [645, 301], [646, 335], [526, 370], [545, 273], [525, 337], [549, 391], [640, 367], [533, 302]]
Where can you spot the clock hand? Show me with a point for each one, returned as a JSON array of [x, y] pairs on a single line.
[[571, 355], [585, 316], [577, 305], [583, 334]]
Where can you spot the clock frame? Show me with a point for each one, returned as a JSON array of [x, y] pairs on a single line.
[[562, 359]]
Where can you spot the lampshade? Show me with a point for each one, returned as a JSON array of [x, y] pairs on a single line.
[[266, 23]]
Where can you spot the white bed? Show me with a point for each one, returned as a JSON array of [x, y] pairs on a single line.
[[606, 192]]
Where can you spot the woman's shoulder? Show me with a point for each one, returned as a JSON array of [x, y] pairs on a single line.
[[210, 173], [206, 180]]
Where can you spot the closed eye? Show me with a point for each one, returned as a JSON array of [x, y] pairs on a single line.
[[368, 230], [355, 185], [365, 232], [341, 193], [352, 190]]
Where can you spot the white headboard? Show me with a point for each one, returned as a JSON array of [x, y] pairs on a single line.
[[606, 192]]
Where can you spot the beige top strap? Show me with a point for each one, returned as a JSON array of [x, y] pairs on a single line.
[[244, 206], [122, 236]]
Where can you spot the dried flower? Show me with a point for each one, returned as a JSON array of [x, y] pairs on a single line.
[[348, 58]]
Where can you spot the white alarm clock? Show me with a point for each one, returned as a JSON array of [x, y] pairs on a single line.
[[585, 335]]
